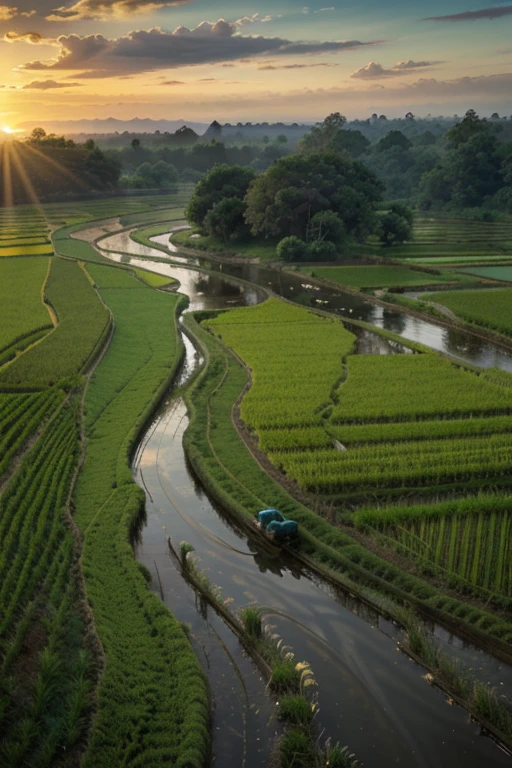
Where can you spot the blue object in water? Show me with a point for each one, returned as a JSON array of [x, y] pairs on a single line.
[[288, 529], [266, 516]]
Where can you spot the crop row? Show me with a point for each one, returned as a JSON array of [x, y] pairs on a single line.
[[413, 387], [22, 421], [471, 538], [82, 322], [153, 702], [425, 462], [44, 666], [31, 525], [295, 439]]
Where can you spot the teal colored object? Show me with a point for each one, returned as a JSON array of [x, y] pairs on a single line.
[[267, 516], [288, 529]]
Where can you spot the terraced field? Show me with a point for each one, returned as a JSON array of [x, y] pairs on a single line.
[[503, 274], [391, 422], [442, 241], [83, 322]]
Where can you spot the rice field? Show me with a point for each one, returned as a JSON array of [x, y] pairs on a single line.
[[389, 423], [66, 350], [24, 315], [376, 277], [503, 274], [307, 360], [27, 250], [488, 308], [470, 538]]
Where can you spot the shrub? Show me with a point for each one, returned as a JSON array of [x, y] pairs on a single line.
[[322, 250], [284, 676], [295, 749], [292, 249], [296, 710]]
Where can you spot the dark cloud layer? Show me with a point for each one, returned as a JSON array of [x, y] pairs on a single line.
[[149, 50], [494, 12]]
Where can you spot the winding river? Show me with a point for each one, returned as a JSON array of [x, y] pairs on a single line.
[[371, 696]]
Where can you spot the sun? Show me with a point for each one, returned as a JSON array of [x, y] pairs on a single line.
[[8, 130]]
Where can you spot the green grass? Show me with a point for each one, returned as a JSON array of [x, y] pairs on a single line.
[[153, 703], [26, 250], [488, 308], [22, 312], [250, 250], [375, 277], [82, 323]]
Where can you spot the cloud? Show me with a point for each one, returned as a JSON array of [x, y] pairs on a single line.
[[100, 10], [494, 12], [154, 49], [172, 82], [7, 12], [46, 85], [375, 71], [25, 37], [267, 67]]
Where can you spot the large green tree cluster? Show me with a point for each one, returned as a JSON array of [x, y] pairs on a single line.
[[474, 170], [310, 202]]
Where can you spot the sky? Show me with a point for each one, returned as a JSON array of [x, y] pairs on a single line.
[[267, 60]]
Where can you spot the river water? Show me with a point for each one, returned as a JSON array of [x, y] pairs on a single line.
[[371, 696]]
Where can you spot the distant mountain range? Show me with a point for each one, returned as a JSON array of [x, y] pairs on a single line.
[[111, 125]]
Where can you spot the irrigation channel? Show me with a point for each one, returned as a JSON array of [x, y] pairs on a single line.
[[371, 696]]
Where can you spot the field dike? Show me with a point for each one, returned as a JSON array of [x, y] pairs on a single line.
[[235, 479]]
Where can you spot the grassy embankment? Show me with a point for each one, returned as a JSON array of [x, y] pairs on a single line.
[[45, 659], [230, 472], [153, 701]]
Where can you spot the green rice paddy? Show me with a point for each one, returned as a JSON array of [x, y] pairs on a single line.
[[375, 277]]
